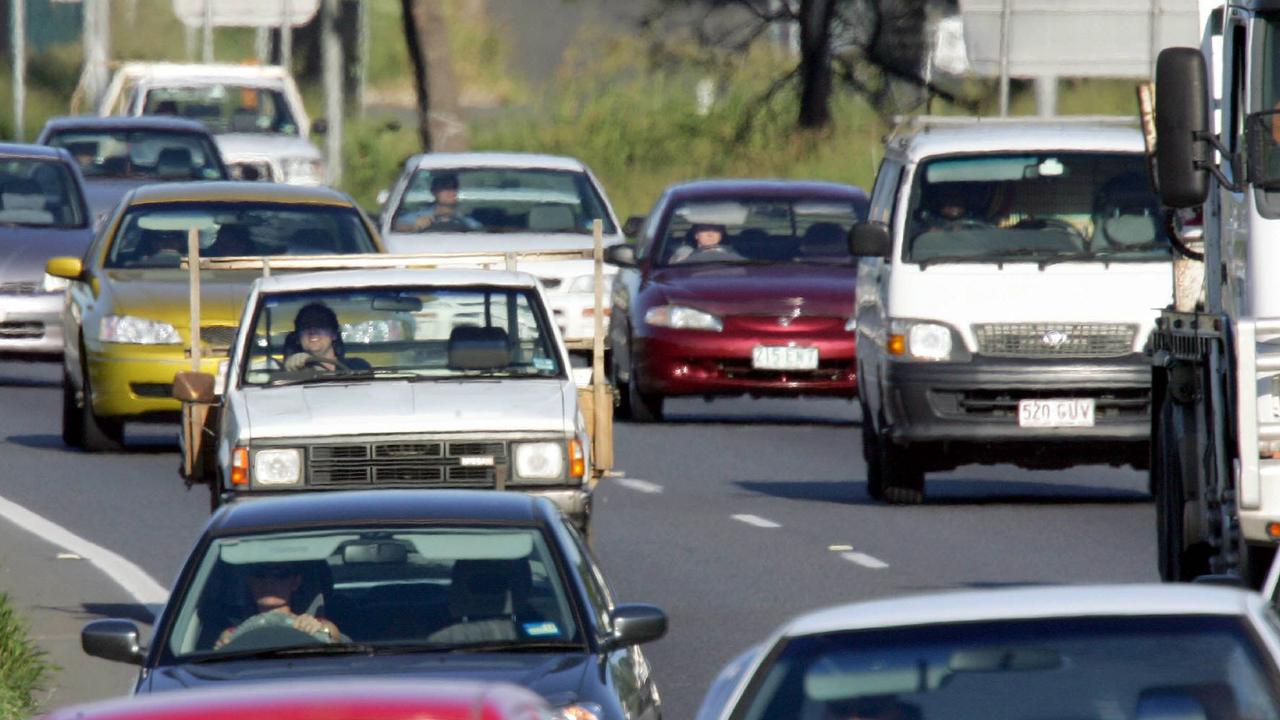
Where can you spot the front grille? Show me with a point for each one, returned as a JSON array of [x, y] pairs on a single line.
[[19, 288], [218, 336], [21, 330], [1109, 403], [404, 463], [1055, 339]]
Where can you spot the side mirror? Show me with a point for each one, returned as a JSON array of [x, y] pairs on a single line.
[[632, 226], [1182, 117], [319, 126], [67, 267], [247, 172], [113, 639], [636, 624], [196, 387], [870, 239], [622, 255]]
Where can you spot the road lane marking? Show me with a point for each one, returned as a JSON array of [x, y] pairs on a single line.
[[643, 486], [839, 548], [132, 578], [865, 560], [757, 521]]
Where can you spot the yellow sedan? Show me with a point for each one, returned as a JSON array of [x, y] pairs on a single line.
[[127, 312]]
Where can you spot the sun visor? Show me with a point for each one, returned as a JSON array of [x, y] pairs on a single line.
[[471, 546]]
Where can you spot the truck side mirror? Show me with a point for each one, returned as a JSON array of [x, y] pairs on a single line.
[[319, 126], [197, 387], [870, 239], [632, 226], [1182, 119], [622, 255]]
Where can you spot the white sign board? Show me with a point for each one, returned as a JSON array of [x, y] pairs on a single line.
[[1077, 38], [246, 13]]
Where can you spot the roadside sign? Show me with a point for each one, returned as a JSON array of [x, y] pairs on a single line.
[[246, 13]]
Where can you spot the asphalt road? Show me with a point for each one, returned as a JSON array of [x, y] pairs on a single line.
[[733, 516]]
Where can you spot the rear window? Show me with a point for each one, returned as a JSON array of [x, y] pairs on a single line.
[[142, 154]]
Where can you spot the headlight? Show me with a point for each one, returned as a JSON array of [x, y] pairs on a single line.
[[679, 317], [277, 467], [578, 711], [586, 284], [137, 331], [53, 283], [372, 331], [920, 340], [539, 461], [301, 170]]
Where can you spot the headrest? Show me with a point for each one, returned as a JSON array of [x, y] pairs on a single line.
[[1129, 230], [174, 162], [312, 241], [551, 218], [244, 121], [825, 238], [478, 348], [115, 166], [488, 588], [22, 199]]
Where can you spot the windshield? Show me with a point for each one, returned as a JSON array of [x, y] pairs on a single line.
[[1118, 668], [39, 193], [425, 333], [141, 154], [226, 107], [384, 588], [154, 235], [498, 200], [990, 207], [760, 231]]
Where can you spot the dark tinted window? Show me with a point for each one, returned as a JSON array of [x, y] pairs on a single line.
[[39, 193], [141, 154]]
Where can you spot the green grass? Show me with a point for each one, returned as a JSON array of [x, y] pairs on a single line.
[[23, 668]]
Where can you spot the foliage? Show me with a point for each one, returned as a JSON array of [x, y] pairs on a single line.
[[23, 668]]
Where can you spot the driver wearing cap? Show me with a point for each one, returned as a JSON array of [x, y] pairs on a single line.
[[441, 215]]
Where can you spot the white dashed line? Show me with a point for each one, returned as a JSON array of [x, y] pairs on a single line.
[[757, 521], [865, 560], [643, 486]]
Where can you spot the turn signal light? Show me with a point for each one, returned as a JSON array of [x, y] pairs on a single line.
[[577, 462], [1273, 530], [897, 345], [240, 466]]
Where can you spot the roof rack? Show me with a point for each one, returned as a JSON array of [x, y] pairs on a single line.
[[485, 260], [926, 122]]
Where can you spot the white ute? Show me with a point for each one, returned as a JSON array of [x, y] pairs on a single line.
[[445, 378]]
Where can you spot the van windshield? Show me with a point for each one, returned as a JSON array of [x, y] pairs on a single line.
[[1035, 207]]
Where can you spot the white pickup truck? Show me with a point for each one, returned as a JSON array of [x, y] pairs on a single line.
[[435, 377]]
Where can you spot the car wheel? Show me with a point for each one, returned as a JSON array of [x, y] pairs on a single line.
[[901, 477], [72, 420], [623, 410], [1179, 560], [645, 407], [99, 435], [871, 456]]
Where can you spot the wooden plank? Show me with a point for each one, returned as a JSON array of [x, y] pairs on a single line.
[[494, 260], [602, 396], [193, 251]]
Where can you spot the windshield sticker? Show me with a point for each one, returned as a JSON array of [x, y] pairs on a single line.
[[541, 629], [544, 364]]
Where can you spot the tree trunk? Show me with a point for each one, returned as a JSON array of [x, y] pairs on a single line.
[[815, 62], [440, 124]]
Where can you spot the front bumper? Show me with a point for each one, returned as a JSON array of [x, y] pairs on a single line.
[[696, 362], [31, 324], [978, 401], [136, 381]]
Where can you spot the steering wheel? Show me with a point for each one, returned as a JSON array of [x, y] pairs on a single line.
[[453, 223], [317, 362], [271, 629]]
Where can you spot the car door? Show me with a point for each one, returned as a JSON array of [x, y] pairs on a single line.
[[873, 283], [627, 286]]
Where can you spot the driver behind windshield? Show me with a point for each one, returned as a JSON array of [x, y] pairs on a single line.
[[316, 342], [272, 586], [442, 214]]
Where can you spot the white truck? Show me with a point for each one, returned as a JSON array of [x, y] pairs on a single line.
[[441, 376], [1215, 467]]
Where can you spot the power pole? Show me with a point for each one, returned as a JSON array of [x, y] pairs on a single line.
[[208, 31], [331, 52], [18, 18], [286, 39], [362, 55], [96, 38]]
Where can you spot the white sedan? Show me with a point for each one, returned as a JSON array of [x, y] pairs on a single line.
[[1114, 652]]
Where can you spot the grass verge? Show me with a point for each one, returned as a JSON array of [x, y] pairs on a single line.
[[23, 668]]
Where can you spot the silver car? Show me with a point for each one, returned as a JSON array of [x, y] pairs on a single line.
[[42, 215]]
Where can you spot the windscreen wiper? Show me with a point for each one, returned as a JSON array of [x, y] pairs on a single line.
[[1105, 256], [340, 377], [995, 256], [288, 652]]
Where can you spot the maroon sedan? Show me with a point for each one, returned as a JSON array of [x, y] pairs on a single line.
[[736, 287], [353, 699]]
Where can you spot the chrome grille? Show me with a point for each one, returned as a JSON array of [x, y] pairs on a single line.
[[21, 330], [1055, 339], [19, 288], [220, 336], [404, 463]]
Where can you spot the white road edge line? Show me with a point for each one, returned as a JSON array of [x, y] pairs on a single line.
[[132, 578], [757, 521], [638, 485], [865, 560]]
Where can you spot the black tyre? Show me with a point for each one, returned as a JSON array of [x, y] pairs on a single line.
[[623, 410], [1179, 559], [871, 456], [215, 495], [642, 407], [901, 477], [99, 435], [72, 420]]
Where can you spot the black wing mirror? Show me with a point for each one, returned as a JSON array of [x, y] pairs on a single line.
[[636, 624], [870, 239], [622, 255], [113, 639], [1182, 123], [632, 226]]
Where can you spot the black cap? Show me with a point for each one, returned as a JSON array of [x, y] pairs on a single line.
[[444, 181], [316, 315]]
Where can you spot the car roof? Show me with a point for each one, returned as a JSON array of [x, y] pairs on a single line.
[[32, 151], [712, 188], [203, 72], [242, 191], [389, 277], [1025, 603], [374, 506], [985, 135], [122, 122], [461, 160]]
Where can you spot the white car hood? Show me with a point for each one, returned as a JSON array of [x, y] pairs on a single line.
[[393, 406], [966, 294], [564, 271], [239, 146]]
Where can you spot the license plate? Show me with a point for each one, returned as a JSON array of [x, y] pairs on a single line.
[[1063, 412], [770, 357]]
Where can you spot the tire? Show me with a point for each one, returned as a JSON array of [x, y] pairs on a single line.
[[871, 456], [98, 435], [72, 420], [1177, 559], [644, 407], [623, 410], [215, 494], [901, 477]]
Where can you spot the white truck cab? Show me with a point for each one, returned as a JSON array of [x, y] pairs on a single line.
[[1009, 276]]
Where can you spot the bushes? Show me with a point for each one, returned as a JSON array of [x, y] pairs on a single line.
[[23, 668]]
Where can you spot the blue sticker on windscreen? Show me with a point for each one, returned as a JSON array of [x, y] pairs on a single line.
[[541, 629], [544, 364]]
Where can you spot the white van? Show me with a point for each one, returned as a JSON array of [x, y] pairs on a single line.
[[1009, 275]]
